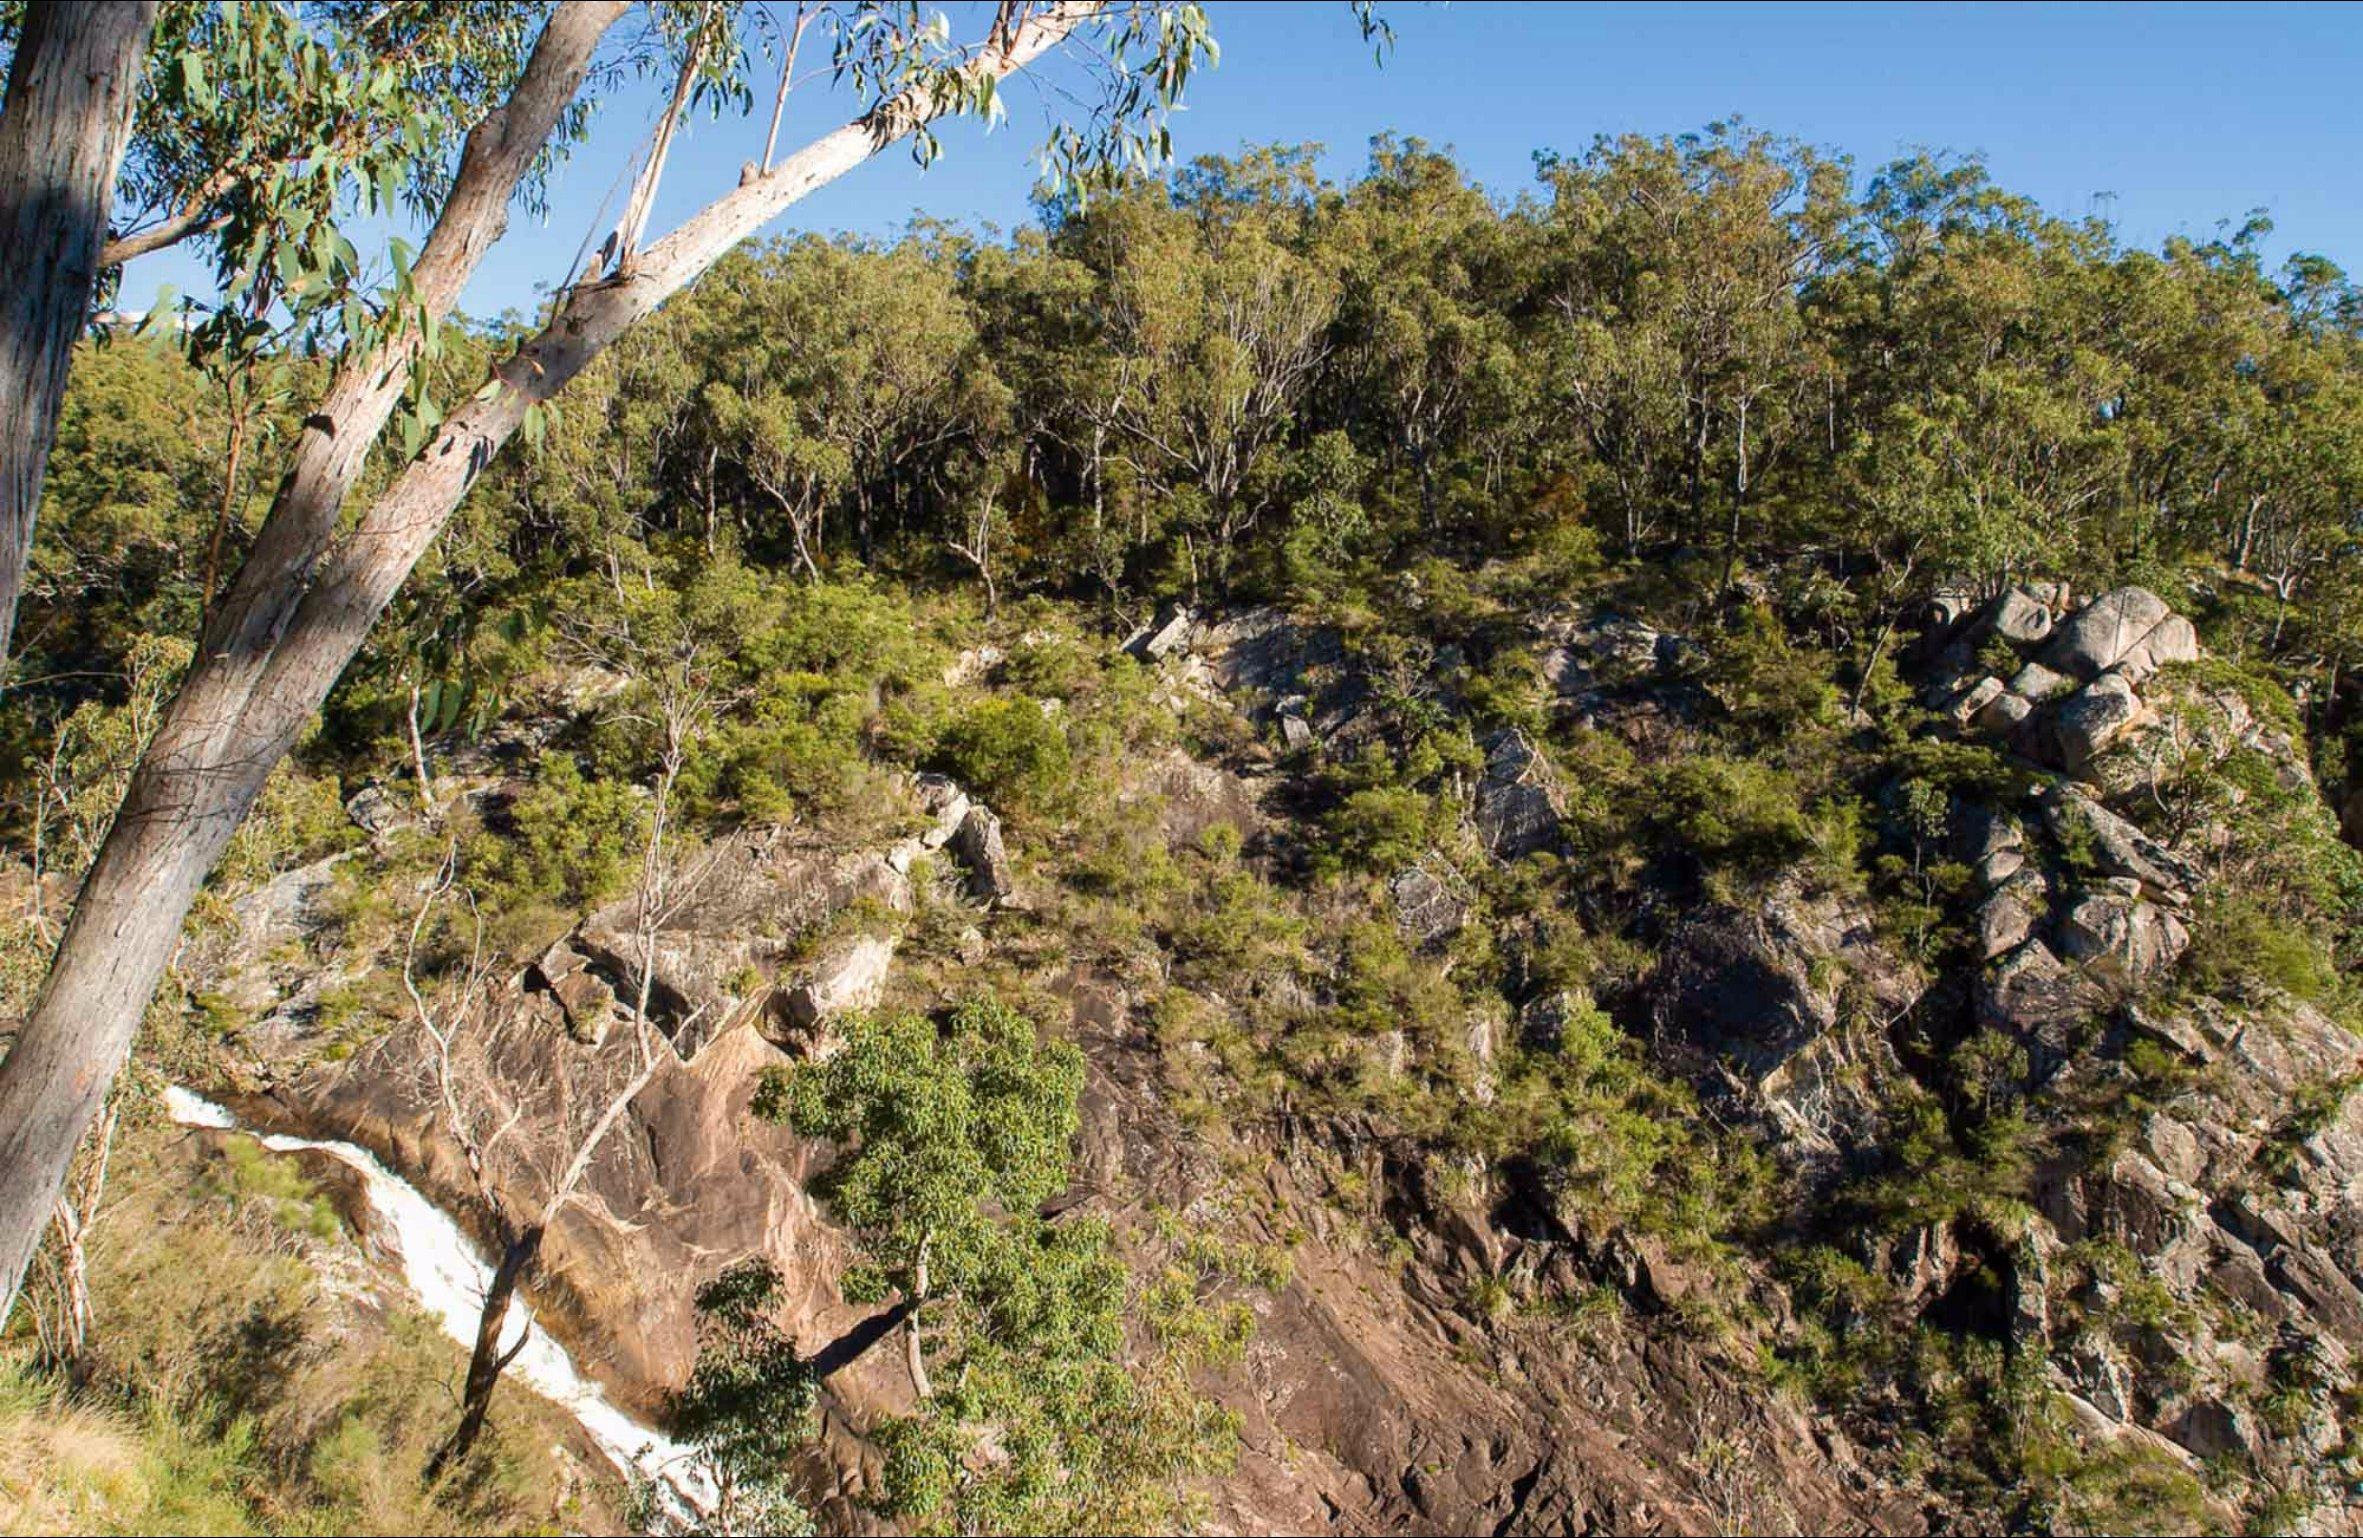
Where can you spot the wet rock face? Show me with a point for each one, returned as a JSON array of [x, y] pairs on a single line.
[[691, 1180]]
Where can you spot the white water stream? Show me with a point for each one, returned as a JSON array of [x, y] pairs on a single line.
[[449, 1278]]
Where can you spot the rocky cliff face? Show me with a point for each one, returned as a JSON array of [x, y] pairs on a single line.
[[2190, 1283], [1370, 1399], [1418, 1369]]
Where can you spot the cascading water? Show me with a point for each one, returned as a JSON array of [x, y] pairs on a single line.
[[449, 1278]]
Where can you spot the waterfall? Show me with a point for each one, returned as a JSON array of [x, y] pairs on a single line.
[[448, 1276]]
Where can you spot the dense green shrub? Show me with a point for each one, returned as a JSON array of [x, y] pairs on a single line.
[[1379, 830], [1748, 820], [798, 748], [299, 818], [567, 840], [1773, 688], [1010, 751]]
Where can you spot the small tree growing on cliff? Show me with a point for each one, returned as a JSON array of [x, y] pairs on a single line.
[[950, 1131], [747, 1408], [954, 1139]]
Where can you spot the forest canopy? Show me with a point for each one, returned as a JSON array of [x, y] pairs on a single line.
[[1245, 382]]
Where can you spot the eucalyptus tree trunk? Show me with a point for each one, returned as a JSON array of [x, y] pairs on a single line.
[[62, 132], [487, 1361], [210, 754], [298, 612]]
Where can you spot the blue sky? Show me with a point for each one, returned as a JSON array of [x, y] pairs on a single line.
[[2165, 118]]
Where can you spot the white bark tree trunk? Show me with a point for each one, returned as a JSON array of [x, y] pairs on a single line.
[[281, 641], [201, 770], [71, 89]]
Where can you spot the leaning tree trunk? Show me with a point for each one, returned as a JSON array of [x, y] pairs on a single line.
[[206, 762], [487, 1361], [62, 133], [281, 642]]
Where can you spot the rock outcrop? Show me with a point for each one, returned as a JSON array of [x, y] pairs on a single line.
[[1166, 635], [2072, 693], [584, 998], [2116, 847], [850, 976], [731, 916], [2240, 1198], [2097, 913], [2130, 631], [2243, 1199], [978, 843], [2089, 722], [1518, 800], [1427, 908], [2121, 935], [1785, 1005]]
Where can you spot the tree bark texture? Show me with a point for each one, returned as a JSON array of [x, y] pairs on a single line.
[[210, 755], [71, 89]]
